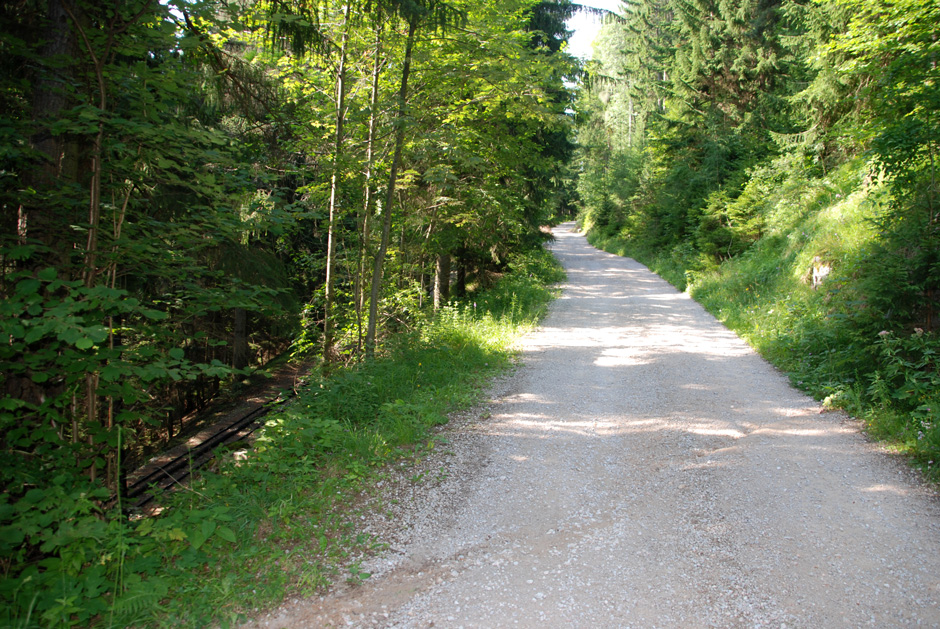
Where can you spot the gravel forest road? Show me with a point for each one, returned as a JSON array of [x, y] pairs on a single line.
[[645, 468]]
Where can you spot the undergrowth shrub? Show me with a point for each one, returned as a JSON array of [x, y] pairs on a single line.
[[879, 275], [280, 515], [907, 382]]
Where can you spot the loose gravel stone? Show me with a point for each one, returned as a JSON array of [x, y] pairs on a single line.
[[644, 468]]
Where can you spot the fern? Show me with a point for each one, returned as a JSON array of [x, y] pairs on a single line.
[[141, 602]]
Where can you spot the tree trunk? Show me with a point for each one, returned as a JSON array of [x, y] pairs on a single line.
[[630, 114], [390, 191], [240, 339], [61, 156], [334, 192], [461, 287], [441, 281], [366, 223], [90, 255]]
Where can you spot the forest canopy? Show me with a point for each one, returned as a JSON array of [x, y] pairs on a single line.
[[193, 188]]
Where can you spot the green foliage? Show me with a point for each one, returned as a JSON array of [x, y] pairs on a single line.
[[317, 453], [891, 48], [63, 552], [112, 312], [901, 278], [165, 178], [908, 383], [521, 296], [277, 518], [787, 180], [846, 341]]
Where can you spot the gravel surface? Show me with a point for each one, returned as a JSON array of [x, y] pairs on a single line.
[[644, 468]]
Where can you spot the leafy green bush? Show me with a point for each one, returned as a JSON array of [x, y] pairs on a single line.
[[907, 382], [275, 517], [881, 278], [67, 559]]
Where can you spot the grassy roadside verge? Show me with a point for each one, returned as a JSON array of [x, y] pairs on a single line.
[[289, 499], [830, 339], [280, 518]]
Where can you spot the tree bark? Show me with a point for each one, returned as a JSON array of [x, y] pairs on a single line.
[[461, 286], [390, 190], [441, 281], [60, 153], [368, 202], [328, 341], [240, 338]]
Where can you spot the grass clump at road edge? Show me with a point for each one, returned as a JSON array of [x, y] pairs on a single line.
[[278, 518]]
